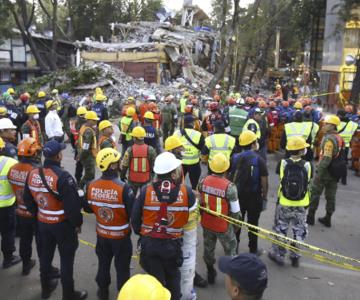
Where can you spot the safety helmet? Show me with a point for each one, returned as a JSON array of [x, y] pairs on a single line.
[[138, 132], [98, 91], [291, 100], [308, 108], [152, 106], [213, 106], [165, 163], [130, 111], [130, 99], [285, 104], [186, 94], [250, 100], [91, 115], [3, 111], [188, 108], [2, 143], [296, 143], [298, 105], [81, 110], [24, 97], [6, 123], [278, 86], [332, 119], [231, 101], [106, 157], [143, 286], [11, 91], [247, 137], [149, 115], [49, 103], [219, 163], [28, 147], [349, 108], [104, 124], [41, 94], [32, 109], [100, 97], [272, 104], [218, 86], [262, 104], [172, 142], [217, 98], [55, 92]]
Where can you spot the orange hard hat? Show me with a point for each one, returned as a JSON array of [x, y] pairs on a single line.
[[217, 98], [28, 147], [152, 106], [285, 103], [272, 104]]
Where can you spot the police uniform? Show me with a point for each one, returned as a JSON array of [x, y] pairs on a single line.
[[152, 138], [126, 126], [101, 111], [10, 149]]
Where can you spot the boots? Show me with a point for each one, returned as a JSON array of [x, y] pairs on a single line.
[[55, 272], [11, 261], [279, 260], [211, 274], [295, 262], [310, 219], [326, 221], [74, 295], [103, 294], [199, 281], [48, 287], [27, 266]]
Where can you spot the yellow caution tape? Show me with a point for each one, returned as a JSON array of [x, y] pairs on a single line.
[[319, 95]]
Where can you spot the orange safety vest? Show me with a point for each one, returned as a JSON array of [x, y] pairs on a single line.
[[139, 170], [106, 200], [143, 108], [94, 148], [213, 197], [177, 212], [50, 209], [17, 178], [35, 130], [105, 138]]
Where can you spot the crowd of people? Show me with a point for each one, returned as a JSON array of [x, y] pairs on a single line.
[[142, 189]]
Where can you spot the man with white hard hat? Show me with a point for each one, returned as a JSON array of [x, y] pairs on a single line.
[[8, 134]]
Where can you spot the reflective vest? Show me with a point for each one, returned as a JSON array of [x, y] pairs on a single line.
[[139, 170], [17, 178], [94, 147], [346, 131], [50, 209], [177, 212], [237, 119], [220, 143], [124, 109], [35, 130], [106, 200], [125, 124], [7, 197], [157, 120], [105, 138], [302, 129], [213, 197], [192, 154], [143, 108], [183, 102], [298, 203], [258, 131], [314, 131]]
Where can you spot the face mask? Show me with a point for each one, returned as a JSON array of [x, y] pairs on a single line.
[[36, 117], [304, 152], [182, 153], [257, 147], [113, 137]]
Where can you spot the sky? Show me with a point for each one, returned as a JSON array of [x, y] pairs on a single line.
[[205, 5]]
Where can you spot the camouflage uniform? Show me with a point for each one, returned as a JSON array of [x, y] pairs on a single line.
[[169, 119]]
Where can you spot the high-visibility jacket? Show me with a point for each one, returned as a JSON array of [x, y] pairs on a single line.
[[93, 146], [139, 170], [135, 117], [183, 102], [177, 212], [302, 129], [346, 130], [50, 209], [143, 108], [106, 200], [252, 121], [35, 130], [213, 197], [125, 129], [7, 197], [314, 131], [104, 138], [237, 119], [294, 203], [17, 178], [220, 143], [192, 154]]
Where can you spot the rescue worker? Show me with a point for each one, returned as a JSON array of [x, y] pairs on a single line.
[[8, 134], [143, 108], [31, 128], [193, 142], [100, 108], [278, 92], [160, 213], [183, 102], [7, 210], [111, 201], [157, 117], [106, 136], [214, 116], [51, 194], [220, 195], [28, 152], [66, 111], [196, 112], [88, 147], [152, 134], [293, 199], [139, 160], [174, 145], [313, 135], [250, 174], [355, 149], [272, 141], [3, 112], [126, 125], [55, 96], [327, 172], [53, 124], [169, 117], [13, 110], [40, 104], [237, 118], [131, 103]]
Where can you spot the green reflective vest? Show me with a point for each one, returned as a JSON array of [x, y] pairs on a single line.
[[298, 203], [346, 131], [237, 119], [7, 197], [302, 129], [192, 154], [220, 143], [183, 102], [258, 131], [314, 131], [125, 129]]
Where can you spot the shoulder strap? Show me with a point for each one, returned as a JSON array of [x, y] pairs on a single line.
[[42, 176], [184, 133], [342, 129]]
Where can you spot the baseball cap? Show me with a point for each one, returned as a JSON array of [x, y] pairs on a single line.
[[52, 148], [247, 270]]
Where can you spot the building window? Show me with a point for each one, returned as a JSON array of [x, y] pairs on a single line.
[[5, 76], [352, 38]]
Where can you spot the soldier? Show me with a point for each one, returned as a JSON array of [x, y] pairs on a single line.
[[169, 117], [327, 172], [106, 138]]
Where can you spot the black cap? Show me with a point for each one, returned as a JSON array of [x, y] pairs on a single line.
[[247, 270], [188, 119], [52, 148], [219, 124]]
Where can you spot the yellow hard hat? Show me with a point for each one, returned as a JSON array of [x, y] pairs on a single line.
[[296, 143], [49, 103], [11, 91], [130, 98], [54, 91], [219, 163], [106, 157], [143, 286], [81, 110], [2, 143], [32, 109], [186, 94], [98, 91], [149, 115], [298, 105], [91, 115], [172, 142], [130, 111], [41, 94], [332, 119], [247, 137], [104, 124], [138, 132], [100, 97], [3, 110]]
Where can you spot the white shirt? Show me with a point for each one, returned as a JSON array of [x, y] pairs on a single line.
[[53, 125]]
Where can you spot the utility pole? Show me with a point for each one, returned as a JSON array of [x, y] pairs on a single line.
[[277, 48]]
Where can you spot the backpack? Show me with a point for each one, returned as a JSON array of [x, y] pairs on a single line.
[[338, 168], [295, 181]]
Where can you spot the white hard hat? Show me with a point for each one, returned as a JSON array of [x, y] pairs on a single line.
[[165, 163], [6, 124], [151, 97], [217, 86]]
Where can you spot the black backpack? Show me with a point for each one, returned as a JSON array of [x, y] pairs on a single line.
[[295, 181]]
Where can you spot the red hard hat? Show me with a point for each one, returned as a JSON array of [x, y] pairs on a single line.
[[217, 98], [24, 97], [214, 106]]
